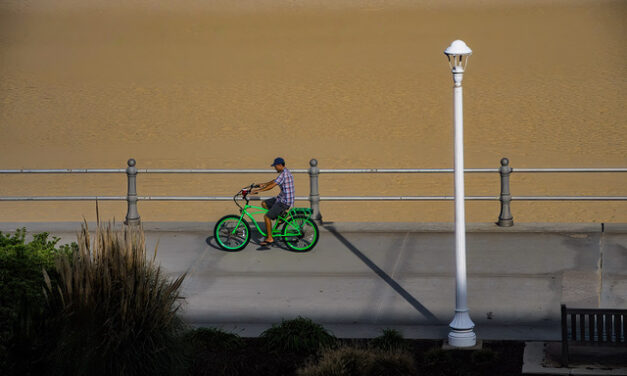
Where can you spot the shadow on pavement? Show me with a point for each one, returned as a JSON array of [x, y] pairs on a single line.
[[384, 276]]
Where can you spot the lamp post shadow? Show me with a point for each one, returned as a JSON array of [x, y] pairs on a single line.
[[385, 277]]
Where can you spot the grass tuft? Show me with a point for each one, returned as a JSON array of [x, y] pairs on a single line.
[[390, 340], [353, 361], [300, 335], [213, 339]]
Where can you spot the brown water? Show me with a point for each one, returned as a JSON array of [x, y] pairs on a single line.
[[353, 86]]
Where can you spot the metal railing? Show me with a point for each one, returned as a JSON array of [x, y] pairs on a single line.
[[505, 218]]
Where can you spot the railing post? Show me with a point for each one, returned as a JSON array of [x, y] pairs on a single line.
[[132, 216], [505, 218], [314, 195]]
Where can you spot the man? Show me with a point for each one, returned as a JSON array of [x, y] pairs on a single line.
[[280, 203]]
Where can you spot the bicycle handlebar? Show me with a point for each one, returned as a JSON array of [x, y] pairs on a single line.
[[244, 193]]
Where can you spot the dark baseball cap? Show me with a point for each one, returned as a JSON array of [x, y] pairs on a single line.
[[277, 161]]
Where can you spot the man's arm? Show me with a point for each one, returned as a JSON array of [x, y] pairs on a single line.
[[264, 187]]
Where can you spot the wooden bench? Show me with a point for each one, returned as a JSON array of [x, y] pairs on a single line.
[[592, 327]]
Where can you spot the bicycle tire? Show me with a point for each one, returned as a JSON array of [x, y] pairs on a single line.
[[298, 242], [223, 233]]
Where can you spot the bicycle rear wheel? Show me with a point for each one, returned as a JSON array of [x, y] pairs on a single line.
[[231, 233], [300, 234]]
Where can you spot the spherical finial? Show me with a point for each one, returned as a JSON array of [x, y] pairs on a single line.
[[131, 162], [313, 163], [504, 162]]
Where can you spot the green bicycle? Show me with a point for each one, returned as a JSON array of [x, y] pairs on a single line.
[[295, 227]]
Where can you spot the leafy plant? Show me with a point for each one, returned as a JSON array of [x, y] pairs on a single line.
[[213, 339], [113, 309], [483, 357], [21, 294], [353, 361], [483, 361], [300, 335], [438, 362], [390, 340]]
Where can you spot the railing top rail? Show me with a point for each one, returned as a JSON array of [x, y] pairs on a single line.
[[609, 169], [322, 198], [63, 198], [402, 170], [213, 171], [66, 171], [304, 171]]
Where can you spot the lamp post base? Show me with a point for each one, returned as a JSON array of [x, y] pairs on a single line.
[[462, 330], [462, 338]]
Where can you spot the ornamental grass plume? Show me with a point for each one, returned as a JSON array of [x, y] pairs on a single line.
[[113, 311]]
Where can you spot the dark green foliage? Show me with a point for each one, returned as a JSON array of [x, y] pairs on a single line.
[[252, 359], [353, 361], [21, 265], [483, 361], [213, 339], [390, 340], [21, 294], [483, 357], [300, 335], [438, 362]]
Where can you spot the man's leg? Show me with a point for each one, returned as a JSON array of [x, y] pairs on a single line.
[[269, 238], [268, 204]]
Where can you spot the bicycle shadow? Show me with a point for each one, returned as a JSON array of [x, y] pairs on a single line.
[[255, 239], [384, 276]]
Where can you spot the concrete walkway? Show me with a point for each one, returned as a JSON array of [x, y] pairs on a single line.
[[361, 278]]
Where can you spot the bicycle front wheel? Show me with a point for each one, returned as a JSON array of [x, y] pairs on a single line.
[[300, 234], [231, 233]]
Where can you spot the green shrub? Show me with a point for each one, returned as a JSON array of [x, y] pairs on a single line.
[[483, 357], [352, 361], [21, 294], [484, 361], [300, 335], [213, 339], [438, 362], [113, 311], [390, 340]]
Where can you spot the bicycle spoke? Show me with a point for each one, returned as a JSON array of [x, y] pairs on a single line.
[[300, 234], [232, 233]]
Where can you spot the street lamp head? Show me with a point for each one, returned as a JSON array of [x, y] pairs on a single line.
[[458, 53]]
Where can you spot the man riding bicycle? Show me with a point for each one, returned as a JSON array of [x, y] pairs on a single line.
[[280, 203]]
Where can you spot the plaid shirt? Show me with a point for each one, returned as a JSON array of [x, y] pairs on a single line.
[[285, 180]]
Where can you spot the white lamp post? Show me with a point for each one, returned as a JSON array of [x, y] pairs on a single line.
[[461, 334]]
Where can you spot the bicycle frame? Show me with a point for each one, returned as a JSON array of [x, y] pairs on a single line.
[[276, 232]]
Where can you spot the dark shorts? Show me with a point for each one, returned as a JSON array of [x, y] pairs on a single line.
[[275, 208]]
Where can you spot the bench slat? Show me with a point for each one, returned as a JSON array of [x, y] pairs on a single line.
[[582, 326], [591, 327], [564, 335], [601, 326], [616, 328], [607, 332], [573, 327], [624, 325]]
